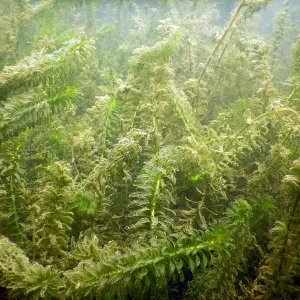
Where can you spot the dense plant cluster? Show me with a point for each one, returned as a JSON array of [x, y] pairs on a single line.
[[149, 150]]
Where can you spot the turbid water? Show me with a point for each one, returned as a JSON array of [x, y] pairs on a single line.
[[149, 149]]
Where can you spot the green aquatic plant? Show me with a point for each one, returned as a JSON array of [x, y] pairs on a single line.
[[84, 204], [44, 69], [218, 281], [279, 269], [32, 108], [50, 239], [153, 200], [26, 279], [151, 267], [14, 190], [144, 151], [104, 121]]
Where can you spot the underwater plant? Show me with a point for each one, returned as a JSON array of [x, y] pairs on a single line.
[[149, 149]]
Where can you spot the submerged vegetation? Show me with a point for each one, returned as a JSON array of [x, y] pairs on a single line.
[[149, 150]]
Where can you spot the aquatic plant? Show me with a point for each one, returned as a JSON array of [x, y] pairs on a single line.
[[148, 151]]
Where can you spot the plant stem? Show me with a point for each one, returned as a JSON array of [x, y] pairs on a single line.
[[154, 199], [13, 198], [230, 25]]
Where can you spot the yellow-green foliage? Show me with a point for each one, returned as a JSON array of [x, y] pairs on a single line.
[[145, 149]]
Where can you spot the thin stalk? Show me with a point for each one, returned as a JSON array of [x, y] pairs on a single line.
[[284, 249], [134, 116], [107, 121], [227, 30], [154, 199], [279, 36], [289, 98], [184, 120], [33, 241], [13, 199]]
